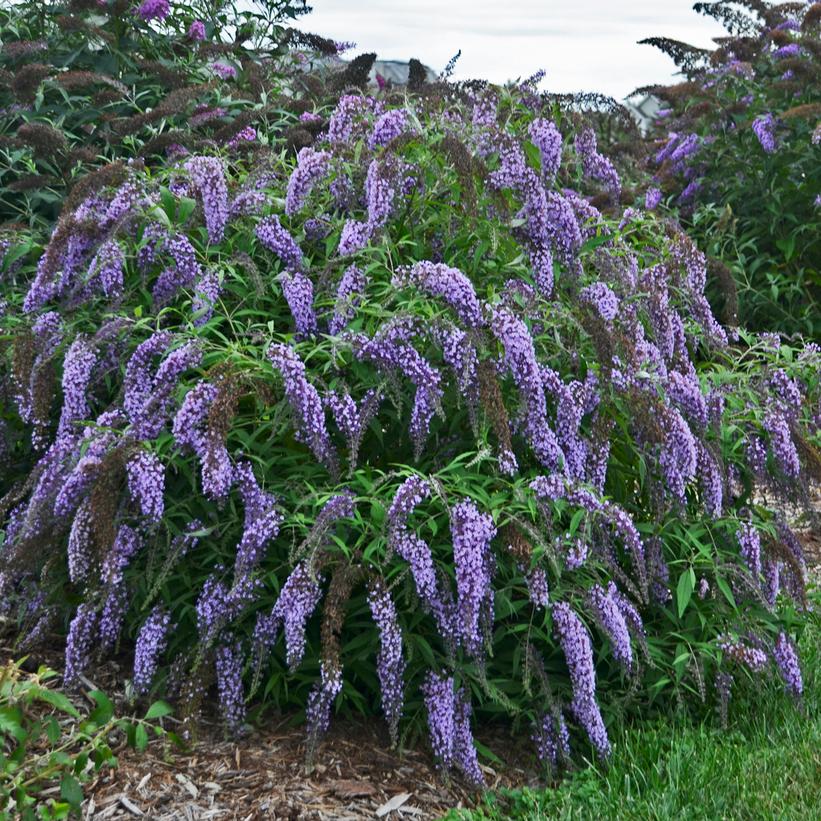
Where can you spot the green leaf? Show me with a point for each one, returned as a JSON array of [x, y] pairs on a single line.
[[684, 589], [71, 791], [104, 710], [158, 709], [58, 700], [141, 737]]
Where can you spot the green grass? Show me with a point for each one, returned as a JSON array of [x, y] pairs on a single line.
[[766, 765]]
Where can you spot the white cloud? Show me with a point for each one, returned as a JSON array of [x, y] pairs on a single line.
[[587, 45]]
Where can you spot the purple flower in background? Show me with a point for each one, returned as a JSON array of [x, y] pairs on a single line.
[[79, 543], [602, 298], [207, 292], [311, 167], [196, 31], [764, 128], [208, 176], [275, 238], [305, 403], [552, 740], [151, 643], [228, 664], [387, 127], [297, 601], [320, 701], [652, 199], [107, 268], [751, 657], [612, 622], [379, 194], [146, 484], [262, 519], [79, 644], [537, 587], [184, 272], [153, 9], [310, 117], [710, 480], [786, 660], [299, 294], [448, 283], [354, 237], [244, 135], [771, 583], [520, 360], [224, 71], [439, 702], [578, 653], [472, 533], [749, 542], [782, 444], [353, 420], [346, 119], [348, 295], [390, 662], [790, 50], [596, 165], [548, 139], [464, 750], [193, 413], [78, 364]]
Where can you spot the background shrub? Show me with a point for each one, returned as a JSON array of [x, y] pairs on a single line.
[[739, 152]]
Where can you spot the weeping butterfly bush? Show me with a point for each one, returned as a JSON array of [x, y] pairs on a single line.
[[738, 147], [423, 430]]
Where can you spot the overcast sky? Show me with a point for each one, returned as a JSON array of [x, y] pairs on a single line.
[[587, 45]]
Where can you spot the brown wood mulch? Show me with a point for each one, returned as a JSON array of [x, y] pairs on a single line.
[[264, 776]]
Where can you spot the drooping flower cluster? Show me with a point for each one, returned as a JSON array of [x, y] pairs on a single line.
[[311, 167], [390, 662], [449, 726], [578, 653], [146, 484], [151, 643], [448, 283], [208, 177], [472, 533], [305, 402], [786, 659]]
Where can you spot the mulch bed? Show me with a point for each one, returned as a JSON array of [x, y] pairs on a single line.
[[263, 774]]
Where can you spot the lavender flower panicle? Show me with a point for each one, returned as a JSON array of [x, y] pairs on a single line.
[[208, 177], [472, 533], [390, 662], [786, 660], [228, 665], [151, 643]]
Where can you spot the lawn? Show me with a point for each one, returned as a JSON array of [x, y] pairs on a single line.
[[766, 764]]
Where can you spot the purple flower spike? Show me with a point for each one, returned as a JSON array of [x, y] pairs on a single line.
[[146, 484], [311, 167], [229, 685], [786, 659], [578, 653], [448, 283], [390, 662], [275, 238], [208, 177], [151, 643], [472, 533], [305, 403]]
